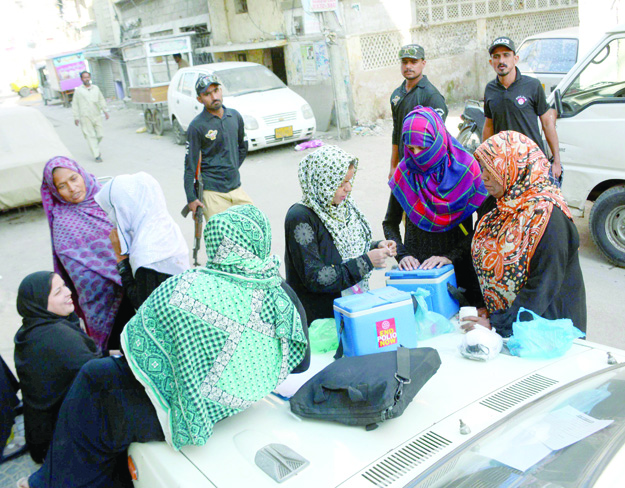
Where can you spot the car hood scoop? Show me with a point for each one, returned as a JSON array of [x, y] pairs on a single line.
[[280, 462]]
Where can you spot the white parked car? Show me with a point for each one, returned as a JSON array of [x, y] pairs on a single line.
[[273, 113], [548, 56], [506, 422]]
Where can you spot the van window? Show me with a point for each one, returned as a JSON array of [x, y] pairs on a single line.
[[188, 84], [602, 80], [248, 79], [549, 55]]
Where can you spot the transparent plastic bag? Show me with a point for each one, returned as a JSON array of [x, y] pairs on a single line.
[[323, 337], [429, 324], [541, 338], [480, 344]]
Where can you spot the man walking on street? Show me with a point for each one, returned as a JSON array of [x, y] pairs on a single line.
[[217, 136], [415, 90], [513, 101], [88, 105]]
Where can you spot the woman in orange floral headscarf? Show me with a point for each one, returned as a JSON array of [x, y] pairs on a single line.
[[525, 250]]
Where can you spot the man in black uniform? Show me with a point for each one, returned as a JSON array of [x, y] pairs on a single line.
[[216, 135], [513, 101], [415, 90]]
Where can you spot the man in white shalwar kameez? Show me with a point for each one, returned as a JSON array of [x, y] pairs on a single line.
[[88, 105]]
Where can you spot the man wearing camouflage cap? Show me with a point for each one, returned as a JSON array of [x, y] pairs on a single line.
[[217, 136], [415, 90]]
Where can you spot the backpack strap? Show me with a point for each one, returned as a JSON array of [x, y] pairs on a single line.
[[403, 370]]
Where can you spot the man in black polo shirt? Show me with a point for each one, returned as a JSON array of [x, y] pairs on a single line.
[[216, 135], [513, 101], [415, 90]]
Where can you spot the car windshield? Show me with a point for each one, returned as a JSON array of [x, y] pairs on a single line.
[[564, 438], [548, 55], [248, 79]]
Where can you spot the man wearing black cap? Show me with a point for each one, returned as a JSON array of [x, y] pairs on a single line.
[[513, 101], [415, 90], [217, 136]]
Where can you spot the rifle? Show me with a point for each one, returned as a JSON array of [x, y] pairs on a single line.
[[198, 185]]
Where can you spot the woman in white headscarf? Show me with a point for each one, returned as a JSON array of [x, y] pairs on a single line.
[[147, 242]]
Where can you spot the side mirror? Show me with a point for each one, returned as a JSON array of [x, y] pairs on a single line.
[[557, 98]]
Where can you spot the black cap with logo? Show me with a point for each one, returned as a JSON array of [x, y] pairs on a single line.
[[502, 41]]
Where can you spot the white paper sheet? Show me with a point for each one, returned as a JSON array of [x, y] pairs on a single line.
[[568, 425], [528, 444]]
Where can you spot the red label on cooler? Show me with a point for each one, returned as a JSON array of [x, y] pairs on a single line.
[[387, 334]]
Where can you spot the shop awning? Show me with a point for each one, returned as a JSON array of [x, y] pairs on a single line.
[[243, 46]]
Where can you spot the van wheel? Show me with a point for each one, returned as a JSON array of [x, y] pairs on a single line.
[[179, 136], [607, 224], [24, 92]]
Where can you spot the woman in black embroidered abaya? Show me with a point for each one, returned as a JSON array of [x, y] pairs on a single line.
[[50, 348]]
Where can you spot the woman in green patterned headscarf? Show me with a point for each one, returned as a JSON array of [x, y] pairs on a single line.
[[329, 250], [205, 345]]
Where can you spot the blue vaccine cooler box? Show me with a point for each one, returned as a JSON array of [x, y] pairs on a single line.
[[375, 321], [434, 280]]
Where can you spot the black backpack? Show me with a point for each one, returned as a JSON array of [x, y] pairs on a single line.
[[366, 390]]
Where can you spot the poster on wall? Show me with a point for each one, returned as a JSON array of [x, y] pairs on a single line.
[[308, 62], [322, 59], [323, 5]]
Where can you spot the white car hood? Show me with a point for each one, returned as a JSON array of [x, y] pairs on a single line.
[[268, 102], [340, 455]]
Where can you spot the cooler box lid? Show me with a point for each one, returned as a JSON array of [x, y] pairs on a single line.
[[398, 274], [371, 299]]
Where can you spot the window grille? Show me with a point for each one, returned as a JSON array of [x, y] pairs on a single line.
[[443, 11], [380, 50]]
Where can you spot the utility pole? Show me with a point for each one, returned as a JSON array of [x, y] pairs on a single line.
[[332, 32]]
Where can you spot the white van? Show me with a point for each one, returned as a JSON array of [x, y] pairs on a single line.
[[273, 113], [548, 56], [590, 101]]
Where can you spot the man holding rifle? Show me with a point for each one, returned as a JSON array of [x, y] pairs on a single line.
[[216, 148], [216, 143]]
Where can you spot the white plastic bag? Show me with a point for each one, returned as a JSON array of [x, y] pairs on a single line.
[[481, 344]]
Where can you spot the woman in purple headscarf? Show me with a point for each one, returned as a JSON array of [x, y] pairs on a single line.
[[438, 186], [81, 249]]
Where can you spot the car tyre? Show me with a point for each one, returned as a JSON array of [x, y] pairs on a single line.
[[179, 135], [607, 224], [24, 92]]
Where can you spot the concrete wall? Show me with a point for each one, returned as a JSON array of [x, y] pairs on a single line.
[[163, 15], [108, 27], [262, 21], [456, 52]]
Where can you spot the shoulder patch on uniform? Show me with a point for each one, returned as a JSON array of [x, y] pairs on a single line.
[[396, 99], [211, 134]]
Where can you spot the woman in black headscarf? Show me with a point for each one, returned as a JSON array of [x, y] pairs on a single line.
[[50, 349]]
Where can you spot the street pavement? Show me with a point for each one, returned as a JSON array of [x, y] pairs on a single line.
[[270, 178]]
